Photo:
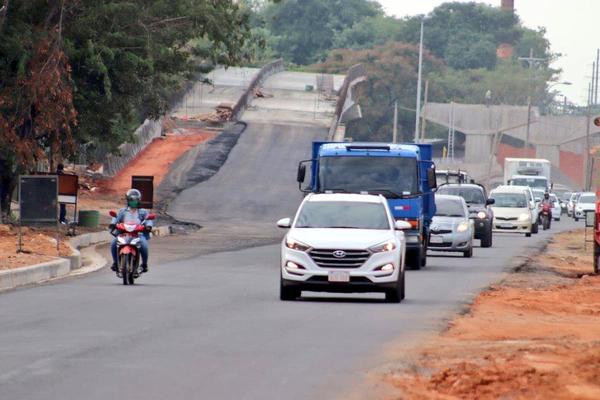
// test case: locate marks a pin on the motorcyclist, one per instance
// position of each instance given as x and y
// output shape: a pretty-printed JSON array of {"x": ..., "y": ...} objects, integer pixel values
[
  {"x": 134, "y": 215},
  {"x": 547, "y": 201}
]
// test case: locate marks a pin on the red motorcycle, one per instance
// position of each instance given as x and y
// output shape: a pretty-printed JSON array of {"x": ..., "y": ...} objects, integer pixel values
[
  {"x": 546, "y": 216},
  {"x": 129, "y": 248}
]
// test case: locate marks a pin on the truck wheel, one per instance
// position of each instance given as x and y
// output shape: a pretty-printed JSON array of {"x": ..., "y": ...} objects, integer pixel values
[
  {"x": 288, "y": 293},
  {"x": 486, "y": 239},
  {"x": 396, "y": 295},
  {"x": 414, "y": 260}
]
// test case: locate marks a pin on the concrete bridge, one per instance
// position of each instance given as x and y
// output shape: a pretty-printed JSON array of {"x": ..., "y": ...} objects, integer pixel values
[{"x": 550, "y": 136}]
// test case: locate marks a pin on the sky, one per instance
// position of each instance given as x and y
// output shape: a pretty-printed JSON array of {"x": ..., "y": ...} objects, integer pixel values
[{"x": 570, "y": 25}]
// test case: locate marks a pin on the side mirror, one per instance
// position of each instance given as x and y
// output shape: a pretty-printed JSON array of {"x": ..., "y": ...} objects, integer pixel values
[
  {"x": 402, "y": 226},
  {"x": 431, "y": 178},
  {"x": 490, "y": 202},
  {"x": 151, "y": 217},
  {"x": 301, "y": 173},
  {"x": 112, "y": 214},
  {"x": 284, "y": 223}
]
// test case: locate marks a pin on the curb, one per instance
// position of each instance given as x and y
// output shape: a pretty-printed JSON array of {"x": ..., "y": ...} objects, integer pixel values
[{"x": 63, "y": 267}]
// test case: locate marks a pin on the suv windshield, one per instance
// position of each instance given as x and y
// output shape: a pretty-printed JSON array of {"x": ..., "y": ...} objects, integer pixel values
[
  {"x": 384, "y": 175},
  {"x": 449, "y": 208},
  {"x": 342, "y": 214},
  {"x": 587, "y": 199},
  {"x": 531, "y": 182},
  {"x": 472, "y": 195},
  {"x": 509, "y": 200}
]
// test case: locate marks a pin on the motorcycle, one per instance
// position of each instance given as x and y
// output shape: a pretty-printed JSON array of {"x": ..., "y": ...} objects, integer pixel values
[
  {"x": 545, "y": 216},
  {"x": 128, "y": 249}
]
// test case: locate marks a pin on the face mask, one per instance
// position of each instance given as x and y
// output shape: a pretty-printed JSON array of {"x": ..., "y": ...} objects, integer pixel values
[{"x": 133, "y": 203}]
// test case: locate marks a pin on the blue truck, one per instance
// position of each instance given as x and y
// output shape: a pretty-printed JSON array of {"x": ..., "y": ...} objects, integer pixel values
[{"x": 403, "y": 173}]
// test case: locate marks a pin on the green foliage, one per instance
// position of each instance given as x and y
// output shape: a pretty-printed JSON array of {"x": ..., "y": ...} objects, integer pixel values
[
  {"x": 304, "y": 30},
  {"x": 367, "y": 33},
  {"x": 392, "y": 70}
]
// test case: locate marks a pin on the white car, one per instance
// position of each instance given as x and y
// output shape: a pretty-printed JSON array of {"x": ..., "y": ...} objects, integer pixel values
[
  {"x": 345, "y": 243},
  {"x": 556, "y": 210},
  {"x": 451, "y": 228},
  {"x": 513, "y": 211},
  {"x": 585, "y": 203},
  {"x": 571, "y": 204}
]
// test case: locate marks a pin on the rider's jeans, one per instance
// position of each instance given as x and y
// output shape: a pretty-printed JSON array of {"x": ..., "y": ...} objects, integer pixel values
[{"x": 143, "y": 249}]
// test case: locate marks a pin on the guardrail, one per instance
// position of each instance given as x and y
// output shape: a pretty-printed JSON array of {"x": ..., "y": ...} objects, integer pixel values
[
  {"x": 246, "y": 98},
  {"x": 355, "y": 72},
  {"x": 152, "y": 129}
]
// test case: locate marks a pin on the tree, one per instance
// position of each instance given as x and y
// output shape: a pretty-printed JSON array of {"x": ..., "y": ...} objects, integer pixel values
[
  {"x": 88, "y": 71},
  {"x": 303, "y": 30},
  {"x": 392, "y": 75},
  {"x": 36, "y": 93}
]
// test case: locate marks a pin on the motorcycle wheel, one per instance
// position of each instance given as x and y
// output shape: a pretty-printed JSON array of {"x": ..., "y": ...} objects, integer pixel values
[
  {"x": 131, "y": 269},
  {"x": 123, "y": 269}
]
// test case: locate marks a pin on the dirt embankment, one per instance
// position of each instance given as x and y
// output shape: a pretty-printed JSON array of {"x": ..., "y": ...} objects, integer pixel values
[
  {"x": 38, "y": 246},
  {"x": 536, "y": 335}
]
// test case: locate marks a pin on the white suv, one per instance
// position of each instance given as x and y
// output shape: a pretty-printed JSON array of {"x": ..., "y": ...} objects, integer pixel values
[{"x": 343, "y": 243}]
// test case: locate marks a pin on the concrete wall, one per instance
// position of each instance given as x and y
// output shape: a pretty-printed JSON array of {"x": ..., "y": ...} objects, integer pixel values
[
  {"x": 549, "y": 152},
  {"x": 478, "y": 148}
]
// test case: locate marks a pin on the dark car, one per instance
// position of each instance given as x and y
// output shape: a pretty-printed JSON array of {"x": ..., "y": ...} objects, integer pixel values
[{"x": 479, "y": 211}]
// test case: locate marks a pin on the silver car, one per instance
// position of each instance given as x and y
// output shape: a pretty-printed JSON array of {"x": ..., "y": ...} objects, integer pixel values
[{"x": 451, "y": 228}]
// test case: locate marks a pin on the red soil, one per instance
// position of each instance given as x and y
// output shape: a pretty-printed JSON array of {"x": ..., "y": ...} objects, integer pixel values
[{"x": 155, "y": 160}]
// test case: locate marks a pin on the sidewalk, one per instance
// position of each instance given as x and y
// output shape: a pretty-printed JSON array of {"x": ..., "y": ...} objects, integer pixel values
[{"x": 34, "y": 268}]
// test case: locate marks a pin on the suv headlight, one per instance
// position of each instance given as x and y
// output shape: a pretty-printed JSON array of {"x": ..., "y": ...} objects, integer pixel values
[
  {"x": 295, "y": 245},
  {"x": 524, "y": 217},
  {"x": 462, "y": 227},
  {"x": 482, "y": 215},
  {"x": 383, "y": 247}
]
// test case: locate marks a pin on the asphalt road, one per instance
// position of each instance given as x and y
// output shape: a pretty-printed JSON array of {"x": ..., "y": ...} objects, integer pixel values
[{"x": 212, "y": 327}]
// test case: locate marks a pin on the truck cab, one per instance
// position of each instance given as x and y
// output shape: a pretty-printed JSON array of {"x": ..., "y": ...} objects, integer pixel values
[{"x": 403, "y": 174}]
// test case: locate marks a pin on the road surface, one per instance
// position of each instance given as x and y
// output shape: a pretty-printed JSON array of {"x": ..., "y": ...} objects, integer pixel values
[{"x": 212, "y": 327}]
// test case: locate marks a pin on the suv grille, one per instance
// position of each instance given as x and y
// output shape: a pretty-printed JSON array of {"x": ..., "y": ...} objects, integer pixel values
[{"x": 324, "y": 258}]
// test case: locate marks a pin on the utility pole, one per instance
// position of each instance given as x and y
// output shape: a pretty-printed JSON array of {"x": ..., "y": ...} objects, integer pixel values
[
  {"x": 587, "y": 138},
  {"x": 597, "y": 75},
  {"x": 418, "y": 117},
  {"x": 395, "y": 132},
  {"x": 532, "y": 61},
  {"x": 423, "y": 120}
]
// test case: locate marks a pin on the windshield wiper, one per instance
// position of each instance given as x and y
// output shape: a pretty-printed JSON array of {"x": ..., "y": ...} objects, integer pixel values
[
  {"x": 456, "y": 215},
  {"x": 390, "y": 193}
]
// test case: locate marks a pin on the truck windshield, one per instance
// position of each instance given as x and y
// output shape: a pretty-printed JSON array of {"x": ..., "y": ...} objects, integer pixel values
[
  {"x": 531, "y": 182},
  {"x": 384, "y": 175},
  {"x": 342, "y": 215}
]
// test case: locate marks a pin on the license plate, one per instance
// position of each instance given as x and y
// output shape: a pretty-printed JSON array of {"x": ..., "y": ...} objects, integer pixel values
[
  {"x": 436, "y": 239},
  {"x": 339, "y": 276},
  {"x": 506, "y": 226}
]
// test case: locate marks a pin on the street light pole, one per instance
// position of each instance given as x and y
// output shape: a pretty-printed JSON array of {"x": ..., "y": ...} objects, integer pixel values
[
  {"x": 418, "y": 117},
  {"x": 395, "y": 131}
]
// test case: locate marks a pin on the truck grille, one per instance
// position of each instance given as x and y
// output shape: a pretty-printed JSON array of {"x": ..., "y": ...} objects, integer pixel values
[{"x": 325, "y": 258}]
